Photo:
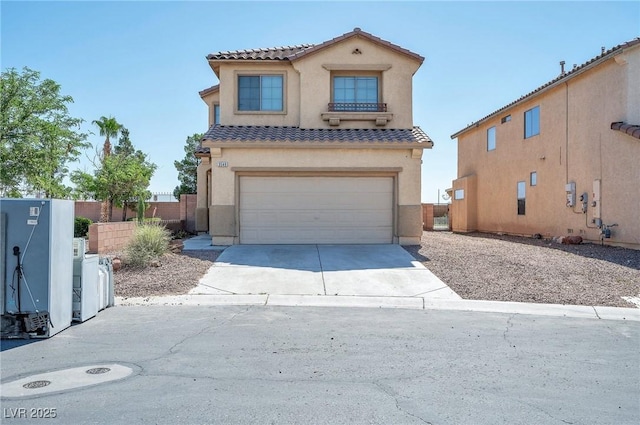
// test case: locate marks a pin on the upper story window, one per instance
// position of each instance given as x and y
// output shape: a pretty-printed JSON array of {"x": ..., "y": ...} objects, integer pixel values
[
  {"x": 491, "y": 138},
  {"x": 216, "y": 113},
  {"x": 505, "y": 119},
  {"x": 356, "y": 93},
  {"x": 532, "y": 122},
  {"x": 260, "y": 93}
]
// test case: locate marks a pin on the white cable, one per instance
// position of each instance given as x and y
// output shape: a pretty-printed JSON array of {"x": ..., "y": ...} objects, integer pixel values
[
  {"x": 30, "y": 294},
  {"x": 24, "y": 252},
  {"x": 33, "y": 229}
]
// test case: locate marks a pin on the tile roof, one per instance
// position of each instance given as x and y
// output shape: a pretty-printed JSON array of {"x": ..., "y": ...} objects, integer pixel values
[
  {"x": 605, "y": 55},
  {"x": 271, "y": 53},
  {"x": 357, "y": 32},
  {"x": 252, "y": 135},
  {"x": 298, "y": 51},
  {"x": 209, "y": 90},
  {"x": 631, "y": 130}
]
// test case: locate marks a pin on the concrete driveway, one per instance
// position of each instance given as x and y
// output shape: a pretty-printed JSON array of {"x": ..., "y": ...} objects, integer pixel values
[{"x": 342, "y": 270}]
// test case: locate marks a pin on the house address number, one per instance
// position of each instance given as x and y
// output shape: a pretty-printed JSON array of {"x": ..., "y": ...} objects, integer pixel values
[{"x": 223, "y": 164}]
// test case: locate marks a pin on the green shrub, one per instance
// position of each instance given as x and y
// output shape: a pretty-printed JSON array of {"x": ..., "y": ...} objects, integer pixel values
[
  {"x": 81, "y": 227},
  {"x": 148, "y": 243},
  {"x": 141, "y": 208}
]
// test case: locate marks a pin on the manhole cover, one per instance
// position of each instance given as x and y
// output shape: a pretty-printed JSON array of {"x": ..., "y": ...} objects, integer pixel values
[
  {"x": 98, "y": 370},
  {"x": 36, "y": 384}
]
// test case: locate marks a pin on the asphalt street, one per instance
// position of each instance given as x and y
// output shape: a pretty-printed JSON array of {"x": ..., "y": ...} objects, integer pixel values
[{"x": 291, "y": 365}]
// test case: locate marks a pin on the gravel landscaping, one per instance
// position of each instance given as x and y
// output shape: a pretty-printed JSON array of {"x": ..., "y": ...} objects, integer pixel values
[
  {"x": 176, "y": 274},
  {"x": 476, "y": 266},
  {"x": 508, "y": 268}
]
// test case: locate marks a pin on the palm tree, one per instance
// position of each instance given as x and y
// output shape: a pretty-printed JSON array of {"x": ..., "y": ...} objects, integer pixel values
[{"x": 109, "y": 127}]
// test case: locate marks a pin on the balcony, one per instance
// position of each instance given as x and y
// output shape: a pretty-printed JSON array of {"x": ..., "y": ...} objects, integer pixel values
[
  {"x": 357, "y": 107},
  {"x": 357, "y": 111}
]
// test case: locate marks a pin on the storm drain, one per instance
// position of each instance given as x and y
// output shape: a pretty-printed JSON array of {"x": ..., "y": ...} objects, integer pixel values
[
  {"x": 36, "y": 384},
  {"x": 65, "y": 380},
  {"x": 98, "y": 370}
]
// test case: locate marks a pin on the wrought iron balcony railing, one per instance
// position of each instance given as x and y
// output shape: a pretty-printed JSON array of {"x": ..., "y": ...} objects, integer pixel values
[{"x": 357, "y": 107}]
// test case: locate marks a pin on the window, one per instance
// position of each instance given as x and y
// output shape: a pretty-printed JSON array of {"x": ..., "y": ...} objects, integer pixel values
[
  {"x": 458, "y": 194},
  {"x": 532, "y": 122},
  {"x": 260, "y": 93},
  {"x": 521, "y": 197},
  {"x": 355, "y": 94},
  {"x": 506, "y": 119},
  {"x": 216, "y": 113},
  {"x": 533, "y": 178},
  {"x": 491, "y": 138}
]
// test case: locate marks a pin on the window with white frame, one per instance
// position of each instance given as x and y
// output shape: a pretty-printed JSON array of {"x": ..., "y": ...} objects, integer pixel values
[
  {"x": 458, "y": 194},
  {"x": 356, "y": 93},
  {"x": 216, "y": 113},
  {"x": 491, "y": 138},
  {"x": 532, "y": 122},
  {"x": 260, "y": 93}
]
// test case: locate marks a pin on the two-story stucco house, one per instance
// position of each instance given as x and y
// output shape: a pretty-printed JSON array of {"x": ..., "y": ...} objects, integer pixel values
[
  {"x": 312, "y": 144},
  {"x": 561, "y": 160}
]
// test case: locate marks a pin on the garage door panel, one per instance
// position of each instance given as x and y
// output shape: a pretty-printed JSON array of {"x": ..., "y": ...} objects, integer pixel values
[{"x": 292, "y": 210}]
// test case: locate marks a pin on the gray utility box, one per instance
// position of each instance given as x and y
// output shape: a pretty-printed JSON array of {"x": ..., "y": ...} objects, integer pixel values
[
  {"x": 36, "y": 280},
  {"x": 106, "y": 283},
  {"x": 86, "y": 291}
]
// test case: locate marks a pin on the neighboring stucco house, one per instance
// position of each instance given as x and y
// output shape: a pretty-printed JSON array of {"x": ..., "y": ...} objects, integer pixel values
[
  {"x": 561, "y": 160},
  {"x": 312, "y": 144}
]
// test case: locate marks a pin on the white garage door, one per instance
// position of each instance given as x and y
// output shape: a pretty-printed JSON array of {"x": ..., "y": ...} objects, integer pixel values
[{"x": 309, "y": 210}]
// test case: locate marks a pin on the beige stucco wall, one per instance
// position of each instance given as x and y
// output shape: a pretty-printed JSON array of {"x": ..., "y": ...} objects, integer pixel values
[
  {"x": 211, "y": 99},
  {"x": 464, "y": 211},
  {"x": 575, "y": 144},
  {"x": 348, "y": 162},
  {"x": 632, "y": 61},
  {"x": 309, "y": 78},
  {"x": 203, "y": 199},
  {"x": 395, "y": 82},
  {"x": 229, "y": 95}
]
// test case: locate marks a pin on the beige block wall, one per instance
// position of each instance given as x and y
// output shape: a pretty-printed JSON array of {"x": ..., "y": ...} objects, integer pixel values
[
  {"x": 110, "y": 237},
  {"x": 225, "y": 190},
  {"x": 163, "y": 210},
  {"x": 427, "y": 216},
  {"x": 575, "y": 144},
  {"x": 464, "y": 215}
]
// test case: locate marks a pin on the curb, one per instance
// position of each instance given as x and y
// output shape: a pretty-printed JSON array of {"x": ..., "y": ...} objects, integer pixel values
[{"x": 414, "y": 303}]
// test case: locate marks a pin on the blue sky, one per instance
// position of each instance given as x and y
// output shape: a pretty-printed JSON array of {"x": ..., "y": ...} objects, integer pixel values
[{"x": 144, "y": 62}]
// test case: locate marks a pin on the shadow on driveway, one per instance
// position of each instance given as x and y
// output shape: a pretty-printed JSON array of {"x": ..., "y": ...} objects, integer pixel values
[{"x": 316, "y": 258}]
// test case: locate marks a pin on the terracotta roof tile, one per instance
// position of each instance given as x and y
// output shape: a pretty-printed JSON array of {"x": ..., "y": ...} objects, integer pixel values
[
  {"x": 284, "y": 135},
  {"x": 631, "y": 130},
  {"x": 558, "y": 80},
  {"x": 271, "y": 53},
  {"x": 357, "y": 32},
  {"x": 209, "y": 90},
  {"x": 298, "y": 51}
]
